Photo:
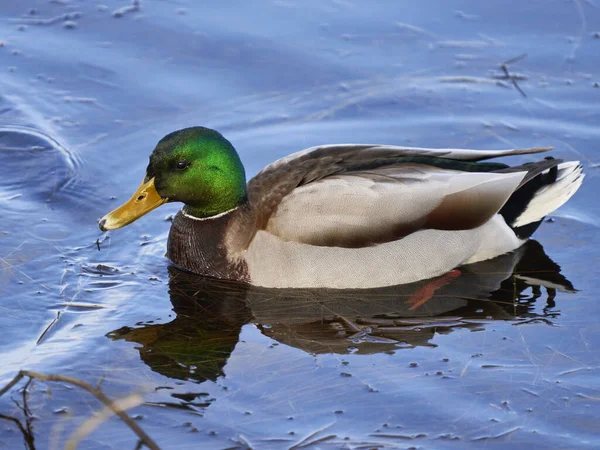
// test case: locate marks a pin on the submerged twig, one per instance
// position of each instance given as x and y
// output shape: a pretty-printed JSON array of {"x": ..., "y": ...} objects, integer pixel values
[
  {"x": 25, "y": 429},
  {"x": 48, "y": 328},
  {"x": 115, "y": 407},
  {"x": 307, "y": 440},
  {"x": 27, "y": 435},
  {"x": 513, "y": 78},
  {"x": 515, "y": 59}
]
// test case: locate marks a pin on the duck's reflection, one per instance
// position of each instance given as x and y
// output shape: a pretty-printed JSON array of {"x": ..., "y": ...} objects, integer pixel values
[{"x": 210, "y": 313}]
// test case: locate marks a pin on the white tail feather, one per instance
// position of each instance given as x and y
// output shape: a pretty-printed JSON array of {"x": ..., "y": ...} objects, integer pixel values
[{"x": 553, "y": 196}]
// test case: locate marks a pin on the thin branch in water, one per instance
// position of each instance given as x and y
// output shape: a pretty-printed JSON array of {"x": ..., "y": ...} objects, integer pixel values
[
  {"x": 98, "y": 419},
  {"x": 39, "y": 341},
  {"x": 10, "y": 266},
  {"x": 515, "y": 59},
  {"x": 513, "y": 78},
  {"x": 26, "y": 409},
  {"x": 114, "y": 407},
  {"x": 25, "y": 430},
  {"x": 307, "y": 440},
  {"x": 27, "y": 435},
  {"x": 14, "y": 381}
]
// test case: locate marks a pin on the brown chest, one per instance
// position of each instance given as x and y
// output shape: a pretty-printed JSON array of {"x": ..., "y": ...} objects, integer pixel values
[{"x": 199, "y": 245}]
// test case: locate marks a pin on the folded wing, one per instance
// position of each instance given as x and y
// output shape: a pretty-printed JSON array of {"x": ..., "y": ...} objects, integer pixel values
[
  {"x": 363, "y": 195},
  {"x": 363, "y": 209}
]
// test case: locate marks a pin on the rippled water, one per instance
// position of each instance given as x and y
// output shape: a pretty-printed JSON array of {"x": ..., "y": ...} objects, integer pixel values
[{"x": 507, "y": 353}]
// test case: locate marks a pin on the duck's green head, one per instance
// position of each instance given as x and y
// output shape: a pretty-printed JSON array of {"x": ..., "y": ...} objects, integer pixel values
[{"x": 196, "y": 166}]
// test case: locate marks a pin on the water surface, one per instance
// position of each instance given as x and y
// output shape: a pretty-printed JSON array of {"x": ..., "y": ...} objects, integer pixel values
[{"x": 507, "y": 353}]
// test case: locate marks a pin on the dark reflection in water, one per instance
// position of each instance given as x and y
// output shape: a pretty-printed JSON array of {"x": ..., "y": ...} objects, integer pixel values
[{"x": 211, "y": 313}]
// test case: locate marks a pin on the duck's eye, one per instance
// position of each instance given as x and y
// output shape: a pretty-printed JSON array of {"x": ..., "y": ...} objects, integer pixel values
[{"x": 182, "y": 165}]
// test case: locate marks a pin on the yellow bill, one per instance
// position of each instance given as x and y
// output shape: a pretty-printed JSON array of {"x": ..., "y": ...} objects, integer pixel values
[{"x": 144, "y": 200}]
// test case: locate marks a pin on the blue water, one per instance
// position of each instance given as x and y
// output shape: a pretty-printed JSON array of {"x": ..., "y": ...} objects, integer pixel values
[{"x": 86, "y": 91}]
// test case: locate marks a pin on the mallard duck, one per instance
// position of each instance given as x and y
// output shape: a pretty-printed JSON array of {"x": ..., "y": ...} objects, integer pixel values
[{"x": 346, "y": 215}]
